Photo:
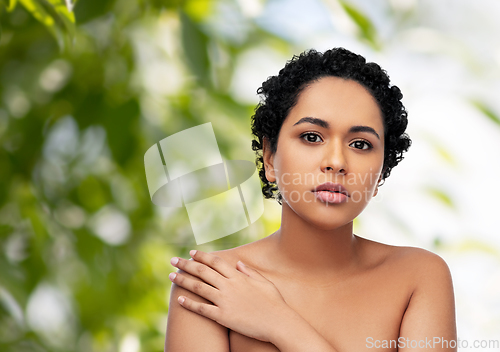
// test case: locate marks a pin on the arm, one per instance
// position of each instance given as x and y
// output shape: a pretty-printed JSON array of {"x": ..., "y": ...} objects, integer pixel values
[
  {"x": 188, "y": 331},
  {"x": 297, "y": 335},
  {"x": 430, "y": 315},
  {"x": 246, "y": 302}
]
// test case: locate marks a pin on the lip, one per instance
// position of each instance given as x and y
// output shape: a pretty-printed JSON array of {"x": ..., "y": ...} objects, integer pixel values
[
  {"x": 330, "y": 197},
  {"x": 332, "y": 187}
]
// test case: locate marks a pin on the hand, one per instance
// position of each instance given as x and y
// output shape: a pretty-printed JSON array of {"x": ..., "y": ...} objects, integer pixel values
[{"x": 243, "y": 300}]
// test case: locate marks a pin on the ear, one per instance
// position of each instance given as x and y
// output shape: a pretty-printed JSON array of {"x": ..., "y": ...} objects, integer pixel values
[
  {"x": 376, "y": 187},
  {"x": 268, "y": 160}
]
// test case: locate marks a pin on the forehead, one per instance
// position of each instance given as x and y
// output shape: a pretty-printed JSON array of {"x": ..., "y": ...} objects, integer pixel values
[{"x": 341, "y": 102}]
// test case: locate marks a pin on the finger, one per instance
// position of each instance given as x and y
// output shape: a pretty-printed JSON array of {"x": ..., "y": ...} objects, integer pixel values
[
  {"x": 199, "y": 270},
  {"x": 254, "y": 274},
  {"x": 213, "y": 261},
  {"x": 197, "y": 287},
  {"x": 207, "y": 310}
]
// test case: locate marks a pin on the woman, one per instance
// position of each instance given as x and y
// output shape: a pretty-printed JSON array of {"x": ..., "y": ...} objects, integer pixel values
[{"x": 330, "y": 129}]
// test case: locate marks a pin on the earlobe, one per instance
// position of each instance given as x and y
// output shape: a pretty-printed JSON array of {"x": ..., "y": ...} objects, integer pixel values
[{"x": 268, "y": 161}]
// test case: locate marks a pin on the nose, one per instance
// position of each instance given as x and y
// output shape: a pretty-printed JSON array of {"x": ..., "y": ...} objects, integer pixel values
[{"x": 334, "y": 159}]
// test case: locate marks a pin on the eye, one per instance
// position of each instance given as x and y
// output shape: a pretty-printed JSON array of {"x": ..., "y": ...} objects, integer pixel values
[
  {"x": 364, "y": 145},
  {"x": 311, "y": 137}
]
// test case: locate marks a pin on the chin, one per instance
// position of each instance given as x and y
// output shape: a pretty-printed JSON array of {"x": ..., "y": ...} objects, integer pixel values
[
  {"x": 330, "y": 224},
  {"x": 327, "y": 220}
]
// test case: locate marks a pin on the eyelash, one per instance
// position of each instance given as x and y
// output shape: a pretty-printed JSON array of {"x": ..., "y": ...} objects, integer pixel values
[{"x": 317, "y": 135}]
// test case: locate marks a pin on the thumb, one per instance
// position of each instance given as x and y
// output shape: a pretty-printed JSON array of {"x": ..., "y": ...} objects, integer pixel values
[{"x": 254, "y": 274}]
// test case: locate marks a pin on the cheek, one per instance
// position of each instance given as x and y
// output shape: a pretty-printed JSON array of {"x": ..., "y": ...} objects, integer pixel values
[
  {"x": 367, "y": 173},
  {"x": 285, "y": 172},
  {"x": 296, "y": 170},
  {"x": 285, "y": 178}
]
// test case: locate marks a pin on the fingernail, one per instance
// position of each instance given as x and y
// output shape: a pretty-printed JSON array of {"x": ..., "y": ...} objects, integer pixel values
[
  {"x": 181, "y": 299},
  {"x": 192, "y": 253},
  {"x": 174, "y": 260},
  {"x": 239, "y": 261},
  {"x": 172, "y": 276}
]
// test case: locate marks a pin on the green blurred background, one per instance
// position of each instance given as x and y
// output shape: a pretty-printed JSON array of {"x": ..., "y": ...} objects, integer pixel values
[{"x": 88, "y": 86}]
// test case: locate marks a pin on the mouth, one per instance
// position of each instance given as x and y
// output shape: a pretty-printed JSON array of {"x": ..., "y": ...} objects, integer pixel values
[{"x": 330, "y": 187}]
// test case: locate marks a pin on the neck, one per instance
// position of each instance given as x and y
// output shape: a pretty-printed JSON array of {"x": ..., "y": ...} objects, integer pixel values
[{"x": 313, "y": 252}]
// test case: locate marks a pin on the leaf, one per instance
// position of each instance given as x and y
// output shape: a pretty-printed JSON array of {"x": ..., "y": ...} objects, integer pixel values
[
  {"x": 438, "y": 242},
  {"x": 61, "y": 11},
  {"x": 445, "y": 154},
  {"x": 486, "y": 110},
  {"x": 442, "y": 196},
  {"x": 195, "y": 43},
  {"x": 38, "y": 12},
  {"x": 367, "y": 29},
  {"x": 441, "y": 150},
  {"x": 198, "y": 9},
  {"x": 473, "y": 244},
  {"x": 10, "y": 5},
  {"x": 64, "y": 13},
  {"x": 55, "y": 16}
]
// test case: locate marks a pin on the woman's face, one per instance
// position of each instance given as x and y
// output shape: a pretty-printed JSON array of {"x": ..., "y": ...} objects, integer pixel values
[{"x": 335, "y": 134}]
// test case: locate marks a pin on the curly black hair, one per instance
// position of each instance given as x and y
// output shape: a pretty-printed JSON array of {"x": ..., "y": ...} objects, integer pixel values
[{"x": 280, "y": 93}]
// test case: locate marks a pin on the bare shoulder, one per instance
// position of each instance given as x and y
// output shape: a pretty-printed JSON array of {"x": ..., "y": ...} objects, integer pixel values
[
  {"x": 431, "y": 308},
  {"x": 252, "y": 254},
  {"x": 426, "y": 278},
  {"x": 229, "y": 255},
  {"x": 419, "y": 262},
  {"x": 418, "y": 265},
  {"x": 189, "y": 331}
]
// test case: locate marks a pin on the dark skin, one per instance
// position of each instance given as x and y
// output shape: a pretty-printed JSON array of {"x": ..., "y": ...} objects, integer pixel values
[{"x": 314, "y": 284}]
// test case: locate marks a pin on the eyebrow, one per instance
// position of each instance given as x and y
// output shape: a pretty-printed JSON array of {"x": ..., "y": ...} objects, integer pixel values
[{"x": 325, "y": 124}]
